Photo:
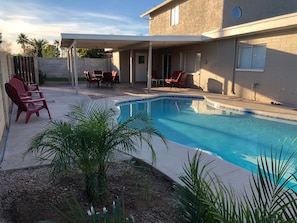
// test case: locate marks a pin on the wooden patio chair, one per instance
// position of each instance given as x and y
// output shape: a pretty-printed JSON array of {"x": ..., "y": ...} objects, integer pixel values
[
  {"x": 23, "y": 92},
  {"x": 28, "y": 86},
  {"x": 91, "y": 79},
  {"x": 28, "y": 105},
  {"x": 115, "y": 76},
  {"x": 107, "y": 78}
]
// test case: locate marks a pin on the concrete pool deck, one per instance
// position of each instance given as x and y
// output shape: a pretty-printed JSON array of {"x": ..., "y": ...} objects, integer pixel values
[{"x": 169, "y": 161}]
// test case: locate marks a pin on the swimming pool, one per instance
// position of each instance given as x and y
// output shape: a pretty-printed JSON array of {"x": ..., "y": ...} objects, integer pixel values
[{"x": 232, "y": 135}]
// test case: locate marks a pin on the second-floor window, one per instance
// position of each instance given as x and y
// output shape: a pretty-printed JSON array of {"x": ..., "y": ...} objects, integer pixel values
[
  {"x": 174, "y": 16},
  {"x": 251, "y": 57}
]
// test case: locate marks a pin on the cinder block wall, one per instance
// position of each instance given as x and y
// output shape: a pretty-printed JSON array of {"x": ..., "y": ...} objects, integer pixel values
[{"x": 58, "y": 67}]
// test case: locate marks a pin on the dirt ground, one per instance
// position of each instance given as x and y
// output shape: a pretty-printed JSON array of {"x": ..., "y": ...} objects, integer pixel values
[{"x": 28, "y": 195}]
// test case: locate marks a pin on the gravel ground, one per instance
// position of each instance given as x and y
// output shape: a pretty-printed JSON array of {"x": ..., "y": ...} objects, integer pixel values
[{"x": 27, "y": 195}]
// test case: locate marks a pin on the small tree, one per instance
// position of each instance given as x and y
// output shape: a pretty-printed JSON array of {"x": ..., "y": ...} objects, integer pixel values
[
  {"x": 91, "y": 53},
  {"x": 89, "y": 139},
  {"x": 49, "y": 51}
]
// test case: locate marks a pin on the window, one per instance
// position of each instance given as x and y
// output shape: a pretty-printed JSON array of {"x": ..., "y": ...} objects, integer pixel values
[
  {"x": 251, "y": 57},
  {"x": 192, "y": 62},
  {"x": 174, "y": 15},
  {"x": 140, "y": 59}
]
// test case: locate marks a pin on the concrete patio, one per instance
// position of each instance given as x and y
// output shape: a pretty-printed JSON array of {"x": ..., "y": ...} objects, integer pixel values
[{"x": 170, "y": 162}]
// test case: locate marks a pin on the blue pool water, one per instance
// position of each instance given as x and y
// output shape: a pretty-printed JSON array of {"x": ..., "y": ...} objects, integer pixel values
[{"x": 234, "y": 136}]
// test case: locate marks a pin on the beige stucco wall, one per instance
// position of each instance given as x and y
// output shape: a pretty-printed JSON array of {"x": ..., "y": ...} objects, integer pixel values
[
  {"x": 124, "y": 66},
  {"x": 198, "y": 16},
  {"x": 278, "y": 82},
  {"x": 253, "y": 10},
  {"x": 217, "y": 66},
  {"x": 5, "y": 72},
  {"x": 195, "y": 17}
]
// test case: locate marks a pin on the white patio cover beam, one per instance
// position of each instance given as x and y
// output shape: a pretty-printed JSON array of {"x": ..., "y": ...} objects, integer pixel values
[{"x": 149, "y": 66}]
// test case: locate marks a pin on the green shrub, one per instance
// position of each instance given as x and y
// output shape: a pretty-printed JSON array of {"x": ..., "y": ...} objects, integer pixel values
[
  {"x": 204, "y": 198},
  {"x": 42, "y": 77}
]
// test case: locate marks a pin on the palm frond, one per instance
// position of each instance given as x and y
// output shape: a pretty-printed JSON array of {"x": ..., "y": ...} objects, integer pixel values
[{"x": 274, "y": 197}]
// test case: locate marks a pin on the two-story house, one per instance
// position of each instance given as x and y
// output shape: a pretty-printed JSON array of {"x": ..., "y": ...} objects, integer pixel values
[
  {"x": 247, "y": 48},
  {"x": 233, "y": 47}
]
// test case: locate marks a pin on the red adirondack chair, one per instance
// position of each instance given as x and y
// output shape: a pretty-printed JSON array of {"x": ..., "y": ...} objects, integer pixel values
[
  {"x": 28, "y": 86},
  {"x": 27, "y": 105},
  {"x": 21, "y": 89}
]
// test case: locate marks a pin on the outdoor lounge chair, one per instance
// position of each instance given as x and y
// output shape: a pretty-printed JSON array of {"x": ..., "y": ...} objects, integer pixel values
[
  {"x": 181, "y": 82},
  {"x": 178, "y": 79},
  {"x": 29, "y": 106}
]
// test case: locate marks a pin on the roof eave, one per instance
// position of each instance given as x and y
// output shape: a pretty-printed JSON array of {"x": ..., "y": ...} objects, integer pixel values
[
  {"x": 155, "y": 8},
  {"x": 265, "y": 25}
]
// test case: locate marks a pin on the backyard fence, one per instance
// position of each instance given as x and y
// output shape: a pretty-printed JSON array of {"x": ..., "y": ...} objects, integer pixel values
[{"x": 24, "y": 67}]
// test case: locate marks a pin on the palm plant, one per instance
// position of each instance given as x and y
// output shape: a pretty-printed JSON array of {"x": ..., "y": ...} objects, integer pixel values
[
  {"x": 37, "y": 45},
  {"x": 204, "y": 198},
  {"x": 23, "y": 40},
  {"x": 87, "y": 141}
]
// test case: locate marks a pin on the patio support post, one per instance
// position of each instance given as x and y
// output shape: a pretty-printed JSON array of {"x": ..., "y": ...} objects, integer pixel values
[
  {"x": 149, "y": 70},
  {"x": 70, "y": 66},
  {"x": 74, "y": 66},
  {"x": 131, "y": 68}
]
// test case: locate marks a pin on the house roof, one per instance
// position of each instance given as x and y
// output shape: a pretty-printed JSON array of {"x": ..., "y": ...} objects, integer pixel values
[
  {"x": 123, "y": 42},
  {"x": 156, "y": 8}
]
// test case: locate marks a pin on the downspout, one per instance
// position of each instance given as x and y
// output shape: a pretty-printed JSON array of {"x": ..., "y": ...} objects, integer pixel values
[
  {"x": 234, "y": 66},
  {"x": 149, "y": 70}
]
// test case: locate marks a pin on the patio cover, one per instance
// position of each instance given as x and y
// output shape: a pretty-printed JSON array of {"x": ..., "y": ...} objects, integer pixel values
[{"x": 120, "y": 43}]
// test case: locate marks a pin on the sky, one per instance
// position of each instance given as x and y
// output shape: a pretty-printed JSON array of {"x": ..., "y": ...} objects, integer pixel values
[{"x": 47, "y": 19}]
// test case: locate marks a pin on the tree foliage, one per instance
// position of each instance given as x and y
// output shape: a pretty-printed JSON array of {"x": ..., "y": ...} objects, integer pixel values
[
  {"x": 90, "y": 53},
  {"x": 23, "y": 40},
  {"x": 38, "y": 47}
]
